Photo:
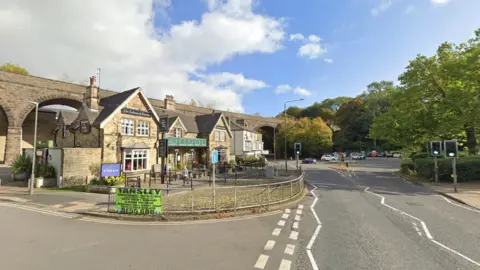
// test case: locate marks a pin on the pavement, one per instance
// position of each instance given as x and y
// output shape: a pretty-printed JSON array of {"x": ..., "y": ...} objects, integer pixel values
[{"x": 364, "y": 218}]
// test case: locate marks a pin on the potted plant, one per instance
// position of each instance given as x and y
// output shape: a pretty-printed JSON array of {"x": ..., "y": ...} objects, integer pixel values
[
  {"x": 47, "y": 176},
  {"x": 21, "y": 167}
]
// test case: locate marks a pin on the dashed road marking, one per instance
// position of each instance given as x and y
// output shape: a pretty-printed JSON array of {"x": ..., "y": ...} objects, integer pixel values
[
  {"x": 293, "y": 235},
  {"x": 269, "y": 245},
  {"x": 299, "y": 211},
  {"x": 287, "y": 211},
  {"x": 276, "y": 232},
  {"x": 300, "y": 206},
  {"x": 289, "y": 249},
  {"x": 295, "y": 225},
  {"x": 281, "y": 223},
  {"x": 285, "y": 216},
  {"x": 285, "y": 265},
  {"x": 317, "y": 230},
  {"x": 297, "y": 218},
  {"x": 261, "y": 262}
]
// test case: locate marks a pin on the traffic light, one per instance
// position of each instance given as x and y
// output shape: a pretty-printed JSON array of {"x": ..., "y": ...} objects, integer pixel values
[
  {"x": 298, "y": 148},
  {"x": 436, "y": 148},
  {"x": 451, "y": 148}
]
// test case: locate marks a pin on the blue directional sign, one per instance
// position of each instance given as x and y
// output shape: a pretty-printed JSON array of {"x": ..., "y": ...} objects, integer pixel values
[
  {"x": 214, "y": 156},
  {"x": 110, "y": 169}
]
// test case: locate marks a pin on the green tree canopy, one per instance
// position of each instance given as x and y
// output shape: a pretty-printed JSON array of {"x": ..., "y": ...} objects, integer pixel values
[{"x": 9, "y": 67}]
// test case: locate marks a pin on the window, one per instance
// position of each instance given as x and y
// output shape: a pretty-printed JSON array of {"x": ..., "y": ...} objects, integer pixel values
[
  {"x": 178, "y": 132},
  {"x": 127, "y": 127},
  {"x": 135, "y": 160},
  {"x": 217, "y": 135},
  {"x": 84, "y": 126},
  {"x": 143, "y": 128},
  {"x": 222, "y": 136}
]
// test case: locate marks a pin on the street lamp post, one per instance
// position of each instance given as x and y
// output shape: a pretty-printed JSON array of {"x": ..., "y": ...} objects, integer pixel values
[
  {"x": 285, "y": 117},
  {"x": 34, "y": 159}
]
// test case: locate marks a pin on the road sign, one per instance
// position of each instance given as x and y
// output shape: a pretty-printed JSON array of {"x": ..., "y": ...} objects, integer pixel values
[
  {"x": 164, "y": 124},
  {"x": 162, "y": 148},
  {"x": 214, "y": 156}
]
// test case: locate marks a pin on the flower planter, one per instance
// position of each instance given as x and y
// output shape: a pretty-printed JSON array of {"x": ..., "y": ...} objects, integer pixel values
[
  {"x": 45, "y": 182},
  {"x": 101, "y": 189},
  {"x": 22, "y": 176}
]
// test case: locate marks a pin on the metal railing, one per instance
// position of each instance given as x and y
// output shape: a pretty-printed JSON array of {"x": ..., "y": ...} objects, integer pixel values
[{"x": 234, "y": 197}]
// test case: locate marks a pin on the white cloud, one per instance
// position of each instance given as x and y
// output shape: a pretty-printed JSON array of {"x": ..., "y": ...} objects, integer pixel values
[
  {"x": 439, "y": 2},
  {"x": 314, "y": 38},
  {"x": 52, "y": 38},
  {"x": 297, "y": 37},
  {"x": 383, "y": 6},
  {"x": 311, "y": 50},
  {"x": 284, "y": 88},
  {"x": 328, "y": 60}
]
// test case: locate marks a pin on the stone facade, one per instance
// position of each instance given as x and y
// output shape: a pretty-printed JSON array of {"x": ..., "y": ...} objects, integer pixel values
[
  {"x": 216, "y": 140},
  {"x": 17, "y": 90},
  {"x": 76, "y": 163}
]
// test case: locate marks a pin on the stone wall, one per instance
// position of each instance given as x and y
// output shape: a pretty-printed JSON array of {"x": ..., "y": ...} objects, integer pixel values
[
  {"x": 76, "y": 162},
  {"x": 3, "y": 134}
]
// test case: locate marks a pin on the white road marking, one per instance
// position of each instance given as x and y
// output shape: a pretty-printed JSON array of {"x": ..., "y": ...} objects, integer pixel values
[
  {"x": 38, "y": 210},
  {"x": 281, "y": 223},
  {"x": 317, "y": 230},
  {"x": 299, "y": 211},
  {"x": 289, "y": 249},
  {"x": 416, "y": 228},
  {"x": 287, "y": 211},
  {"x": 285, "y": 216},
  {"x": 293, "y": 235},
  {"x": 261, "y": 262},
  {"x": 300, "y": 206},
  {"x": 276, "y": 232},
  {"x": 269, "y": 245},
  {"x": 297, "y": 218},
  {"x": 424, "y": 226},
  {"x": 459, "y": 205},
  {"x": 285, "y": 265},
  {"x": 295, "y": 225}
]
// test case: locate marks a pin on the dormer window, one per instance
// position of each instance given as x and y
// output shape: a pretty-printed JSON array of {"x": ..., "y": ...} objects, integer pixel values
[{"x": 178, "y": 132}]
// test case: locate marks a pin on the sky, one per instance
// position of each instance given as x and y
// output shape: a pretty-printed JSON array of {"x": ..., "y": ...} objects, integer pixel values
[{"x": 247, "y": 56}]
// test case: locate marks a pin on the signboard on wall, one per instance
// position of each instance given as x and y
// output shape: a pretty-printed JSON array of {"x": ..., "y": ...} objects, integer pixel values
[
  {"x": 109, "y": 169},
  {"x": 136, "y": 112},
  {"x": 162, "y": 148},
  {"x": 187, "y": 142},
  {"x": 164, "y": 124},
  {"x": 84, "y": 126},
  {"x": 137, "y": 201}
]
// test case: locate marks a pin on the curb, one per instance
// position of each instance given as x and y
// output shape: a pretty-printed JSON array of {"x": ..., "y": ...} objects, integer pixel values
[
  {"x": 438, "y": 192},
  {"x": 188, "y": 219}
]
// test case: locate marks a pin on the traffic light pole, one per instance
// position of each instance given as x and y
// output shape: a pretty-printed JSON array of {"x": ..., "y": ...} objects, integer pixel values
[
  {"x": 454, "y": 169},
  {"x": 296, "y": 156},
  {"x": 435, "y": 170}
]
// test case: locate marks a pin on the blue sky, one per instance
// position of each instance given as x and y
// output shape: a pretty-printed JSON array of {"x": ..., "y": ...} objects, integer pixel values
[{"x": 364, "y": 47}]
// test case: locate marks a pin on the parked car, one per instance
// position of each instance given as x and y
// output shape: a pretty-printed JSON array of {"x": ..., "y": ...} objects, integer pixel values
[
  {"x": 358, "y": 156},
  {"x": 309, "y": 161},
  {"x": 328, "y": 157},
  {"x": 373, "y": 154},
  {"x": 397, "y": 155}
]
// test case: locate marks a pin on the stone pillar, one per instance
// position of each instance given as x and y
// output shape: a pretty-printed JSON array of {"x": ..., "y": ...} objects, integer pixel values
[{"x": 13, "y": 146}]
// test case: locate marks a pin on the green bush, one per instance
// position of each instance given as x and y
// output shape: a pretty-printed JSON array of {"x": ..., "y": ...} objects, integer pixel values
[
  {"x": 420, "y": 155},
  {"x": 47, "y": 171},
  {"x": 94, "y": 169},
  {"x": 468, "y": 168},
  {"x": 407, "y": 166},
  {"x": 179, "y": 166},
  {"x": 22, "y": 163},
  {"x": 113, "y": 180}
]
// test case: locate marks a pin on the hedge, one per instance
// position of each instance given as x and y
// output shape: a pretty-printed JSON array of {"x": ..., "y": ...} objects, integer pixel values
[{"x": 468, "y": 168}]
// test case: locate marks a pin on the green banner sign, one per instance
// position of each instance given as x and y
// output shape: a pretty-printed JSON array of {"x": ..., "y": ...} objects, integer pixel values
[
  {"x": 187, "y": 142},
  {"x": 137, "y": 201}
]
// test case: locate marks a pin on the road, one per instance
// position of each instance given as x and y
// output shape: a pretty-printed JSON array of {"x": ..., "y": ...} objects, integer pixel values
[{"x": 412, "y": 229}]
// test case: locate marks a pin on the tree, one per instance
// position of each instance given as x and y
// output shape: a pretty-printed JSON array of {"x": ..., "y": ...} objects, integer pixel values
[
  {"x": 9, "y": 67},
  {"x": 292, "y": 111},
  {"x": 257, "y": 114},
  {"x": 354, "y": 123}
]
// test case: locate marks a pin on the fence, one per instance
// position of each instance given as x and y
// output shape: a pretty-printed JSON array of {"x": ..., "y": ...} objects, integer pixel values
[{"x": 185, "y": 200}]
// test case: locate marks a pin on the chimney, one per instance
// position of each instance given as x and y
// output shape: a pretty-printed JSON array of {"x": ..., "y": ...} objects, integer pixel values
[
  {"x": 91, "y": 95},
  {"x": 169, "y": 103}
]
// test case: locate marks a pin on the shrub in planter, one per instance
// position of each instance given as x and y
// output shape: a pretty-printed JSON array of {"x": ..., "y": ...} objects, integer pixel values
[
  {"x": 22, "y": 167},
  {"x": 46, "y": 171}
]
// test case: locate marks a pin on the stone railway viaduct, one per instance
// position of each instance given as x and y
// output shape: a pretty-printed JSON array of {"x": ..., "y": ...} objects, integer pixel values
[{"x": 17, "y": 90}]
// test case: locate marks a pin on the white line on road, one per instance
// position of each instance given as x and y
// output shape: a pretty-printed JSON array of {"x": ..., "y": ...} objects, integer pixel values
[
  {"x": 285, "y": 265},
  {"x": 424, "y": 226},
  {"x": 276, "y": 232},
  {"x": 297, "y": 218},
  {"x": 416, "y": 228},
  {"x": 299, "y": 211},
  {"x": 38, "y": 210},
  {"x": 295, "y": 225},
  {"x": 281, "y": 223},
  {"x": 317, "y": 230},
  {"x": 459, "y": 205},
  {"x": 285, "y": 216},
  {"x": 261, "y": 262},
  {"x": 287, "y": 211},
  {"x": 293, "y": 235},
  {"x": 300, "y": 206},
  {"x": 269, "y": 245},
  {"x": 289, "y": 249}
]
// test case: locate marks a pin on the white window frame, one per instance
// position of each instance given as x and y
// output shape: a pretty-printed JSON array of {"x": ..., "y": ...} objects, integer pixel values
[
  {"x": 128, "y": 126},
  {"x": 143, "y": 128},
  {"x": 178, "y": 132},
  {"x": 144, "y": 158},
  {"x": 217, "y": 135},
  {"x": 222, "y": 136}
]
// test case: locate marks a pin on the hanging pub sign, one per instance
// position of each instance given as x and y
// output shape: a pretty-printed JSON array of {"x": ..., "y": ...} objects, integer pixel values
[
  {"x": 136, "y": 112},
  {"x": 164, "y": 124}
]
